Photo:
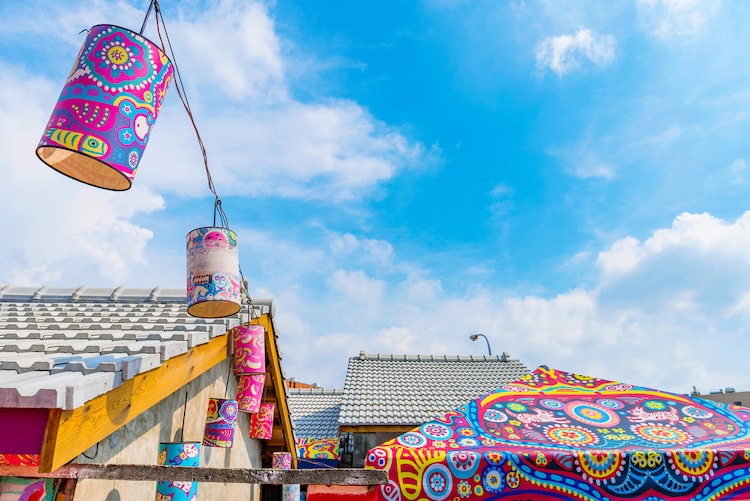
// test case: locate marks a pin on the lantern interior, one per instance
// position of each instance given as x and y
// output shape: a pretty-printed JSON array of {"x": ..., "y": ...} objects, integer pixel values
[
  {"x": 213, "y": 309},
  {"x": 83, "y": 168}
]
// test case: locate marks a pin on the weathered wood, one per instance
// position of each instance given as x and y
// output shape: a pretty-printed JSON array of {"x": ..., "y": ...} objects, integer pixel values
[
  {"x": 277, "y": 377},
  {"x": 135, "y": 472},
  {"x": 80, "y": 428}
]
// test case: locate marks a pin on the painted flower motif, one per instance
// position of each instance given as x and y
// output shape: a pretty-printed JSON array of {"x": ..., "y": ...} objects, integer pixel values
[
  {"x": 710, "y": 426},
  {"x": 478, "y": 491},
  {"x": 464, "y": 489},
  {"x": 618, "y": 430},
  {"x": 541, "y": 459},
  {"x": 488, "y": 442},
  {"x": 493, "y": 457},
  {"x": 516, "y": 407},
  {"x": 437, "y": 482},
  {"x": 512, "y": 479},
  {"x": 493, "y": 480},
  {"x": 655, "y": 405},
  {"x": 688, "y": 419},
  {"x": 467, "y": 432},
  {"x": 602, "y": 430},
  {"x": 515, "y": 422},
  {"x": 720, "y": 432},
  {"x": 439, "y": 444},
  {"x": 625, "y": 436}
]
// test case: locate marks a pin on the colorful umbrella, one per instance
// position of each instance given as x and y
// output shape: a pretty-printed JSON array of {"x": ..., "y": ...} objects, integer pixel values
[{"x": 558, "y": 435}]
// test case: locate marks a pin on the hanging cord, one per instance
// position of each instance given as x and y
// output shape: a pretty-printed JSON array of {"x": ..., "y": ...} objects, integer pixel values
[
  {"x": 180, "y": 86},
  {"x": 226, "y": 389},
  {"x": 148, "y": 14},
  {"x": 184, "y": 411}
]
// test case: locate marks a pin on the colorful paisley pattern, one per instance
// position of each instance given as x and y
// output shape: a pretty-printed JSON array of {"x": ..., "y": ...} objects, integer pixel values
[
  {"x": 558, "y": 435},
  {"x": 110, "y": 101}
]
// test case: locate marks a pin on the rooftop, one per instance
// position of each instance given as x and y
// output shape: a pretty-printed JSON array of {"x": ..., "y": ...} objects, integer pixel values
[
  {"x": 60, "y": 347},
  {"x": 315, "y": 411},
  {"x": 413, "y": 389}
]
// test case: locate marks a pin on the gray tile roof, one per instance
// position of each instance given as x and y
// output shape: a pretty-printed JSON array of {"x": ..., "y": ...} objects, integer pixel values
[
  {"x": 60, "y": 347},
  {"x": 315, "y": 411},
  {"x": 413, "y": 389}
]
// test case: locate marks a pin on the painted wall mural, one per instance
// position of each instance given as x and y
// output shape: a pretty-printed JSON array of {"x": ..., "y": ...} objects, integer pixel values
[{"x": 558, "y": 435}]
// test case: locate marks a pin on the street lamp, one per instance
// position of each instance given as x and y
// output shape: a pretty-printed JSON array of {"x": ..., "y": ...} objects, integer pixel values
[{"x": 474, "y": 337}]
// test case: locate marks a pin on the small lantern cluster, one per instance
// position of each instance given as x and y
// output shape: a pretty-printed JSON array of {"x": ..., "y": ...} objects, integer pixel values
[{"x": 249, "y": 362}]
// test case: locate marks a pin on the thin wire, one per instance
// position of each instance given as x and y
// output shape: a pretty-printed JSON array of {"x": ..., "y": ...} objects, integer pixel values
[
  {"x": 96, "y": 452},
  {"x": 226, "y": 390},
  {"x": 184, "y": 410},
  {"x": 148, "y": 13},
  {"x": 180, "y": 86}
]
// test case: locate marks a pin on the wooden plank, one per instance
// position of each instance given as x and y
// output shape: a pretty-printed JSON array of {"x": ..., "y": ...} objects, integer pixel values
[
  {"x": 80, "y": 428},
  {"x": 267, "y": 476},
  {"x": 277, "y": 378}
]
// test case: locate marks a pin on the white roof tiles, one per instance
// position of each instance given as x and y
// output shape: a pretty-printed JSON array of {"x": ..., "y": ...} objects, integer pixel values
[
  {"x": 60, "y": 347},
  {"x": 414, "y": 389},
  {"x": 315, "y": 411}
]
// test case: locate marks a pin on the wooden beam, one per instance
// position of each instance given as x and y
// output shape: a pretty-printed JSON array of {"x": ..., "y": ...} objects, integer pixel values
[
  {"x": 78, "y": 429},
  {"x": 143, "y": 473},
  {"x": 278, "y": 384},
  {"x": 384, "y": 428}
]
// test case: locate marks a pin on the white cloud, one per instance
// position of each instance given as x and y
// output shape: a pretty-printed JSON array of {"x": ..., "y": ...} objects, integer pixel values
[
  {"x": 60, "y": 229},
  {"x": 669, "y": 19},
  {"x": 565, "y": 53}
]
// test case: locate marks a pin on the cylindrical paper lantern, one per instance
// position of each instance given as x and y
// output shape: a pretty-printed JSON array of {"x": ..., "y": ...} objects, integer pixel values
[
  {"x": 290, "y": 492},
  {"x": 282, "y": 460},
  {"x": 261, "y": 423},
  {"x": 178, "y": 454},
  {"x": 249, "y": 349},
  {"x": 103, "y": 118},
  {"x": 249, "y": 392},
  {"x": 213, "y": 273},
  {"x": 220, "y": 419}
]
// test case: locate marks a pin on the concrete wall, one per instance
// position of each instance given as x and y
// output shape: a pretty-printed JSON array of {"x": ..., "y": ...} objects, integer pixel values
[{"x": 138, "y": 443}]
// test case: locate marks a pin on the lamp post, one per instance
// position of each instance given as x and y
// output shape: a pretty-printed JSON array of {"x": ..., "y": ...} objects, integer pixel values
[{"x": 474, "y": 337}]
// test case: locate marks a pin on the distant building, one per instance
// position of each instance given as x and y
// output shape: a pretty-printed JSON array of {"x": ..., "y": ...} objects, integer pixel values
[{"x": 387, "y": 395}]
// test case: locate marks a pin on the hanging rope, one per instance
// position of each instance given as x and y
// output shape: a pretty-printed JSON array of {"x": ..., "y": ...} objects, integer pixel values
[{"x": 180, "y": 86}]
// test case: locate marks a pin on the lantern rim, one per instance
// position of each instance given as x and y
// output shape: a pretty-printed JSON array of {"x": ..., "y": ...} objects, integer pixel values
[
  {"x": 119, "y": 181},
  {"x": 136, "y": 33}
]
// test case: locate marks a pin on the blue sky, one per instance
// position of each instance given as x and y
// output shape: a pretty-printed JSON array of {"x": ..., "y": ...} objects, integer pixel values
[{"x": 569, "y": 178}]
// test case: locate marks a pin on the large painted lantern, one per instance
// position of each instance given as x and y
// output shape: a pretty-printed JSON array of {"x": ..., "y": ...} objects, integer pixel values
[
  {"x": 185, "y": 454},
  {"x": 261, "y": 423},
  {"x": 213, "y": 273},
  {"x": 220, "y": 419},
  {"x": 249, "y": 349},
  {"x": 98, "y": 130},
  {"x": 250, "y": 392}
]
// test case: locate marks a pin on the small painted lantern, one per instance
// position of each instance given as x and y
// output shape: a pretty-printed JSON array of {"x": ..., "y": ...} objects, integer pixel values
[
  {"x": 99, "y": 128},
  {"x": 290, "y": 492},
  {"x": 178, "y": 454},
  {"x": 249, "y": 349},
  {"x": 250, "y": 392},
  {"x": 220, "y": 419},
  {"x": 261, "y": 423},
  {"x": 282, "y": 460},
  {"x": 213, "y": 273}
]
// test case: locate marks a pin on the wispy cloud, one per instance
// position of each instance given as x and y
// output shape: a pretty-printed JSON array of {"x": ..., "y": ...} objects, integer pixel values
[
  {"x": 565, "y": 53},
  {"x": 669, "y": 19}
]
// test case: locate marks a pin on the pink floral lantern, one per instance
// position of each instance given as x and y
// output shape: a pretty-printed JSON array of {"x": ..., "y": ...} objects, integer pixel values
[
  {"x": 249, "y": 349},
  {"x": 261, "y": 423},
  {"x": 250, "y": 392},
  {"x": 282, "y": 460},
  {"x": 213, "y": 273},
  {"x": 99, "y": 128},
  {"x": 220, "y": 419}
]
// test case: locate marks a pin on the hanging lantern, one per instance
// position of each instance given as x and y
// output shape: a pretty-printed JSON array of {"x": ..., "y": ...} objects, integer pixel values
[
  {"x": 103, "y": 118},
  {"x": 290, "y": 492},
  {"x": 249, "y": 349},
  {"x": 220, "y": 419},
  {"x": 261, "y": 423},
  {"x": 250, "y": 392},
  {"x": 178, "y": 454},
  {"x": 213, "y": 273},
  {"x": 282, "y": 460}
]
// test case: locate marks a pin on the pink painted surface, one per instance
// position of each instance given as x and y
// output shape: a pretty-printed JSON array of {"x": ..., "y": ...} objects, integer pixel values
[
  {"x": 249, "y": 349},
  {"x": 22, "y": 430},
  {"x": 340, "y": 493}
]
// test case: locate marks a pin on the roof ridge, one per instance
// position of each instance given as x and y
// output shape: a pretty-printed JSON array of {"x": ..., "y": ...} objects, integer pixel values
[
  {"x": 315, "y": 391},
  {"x": 380, "y": 357}
]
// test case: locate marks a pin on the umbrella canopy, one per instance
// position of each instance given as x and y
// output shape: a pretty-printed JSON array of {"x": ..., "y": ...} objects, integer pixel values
[{"x": 558, "y": 435}]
